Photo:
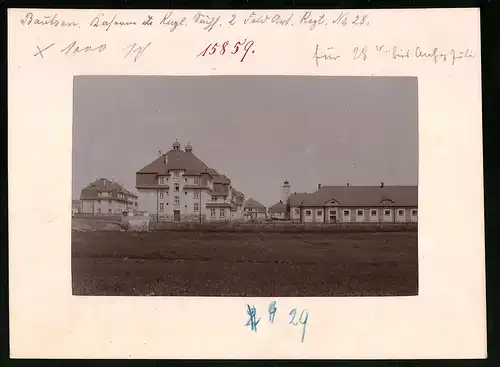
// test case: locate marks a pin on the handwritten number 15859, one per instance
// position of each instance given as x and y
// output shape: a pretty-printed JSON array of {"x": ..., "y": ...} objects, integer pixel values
[{"x": 215, "y": 48}]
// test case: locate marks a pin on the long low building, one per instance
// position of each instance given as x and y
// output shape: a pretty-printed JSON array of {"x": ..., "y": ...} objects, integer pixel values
[{"x": 361, "y": 204}]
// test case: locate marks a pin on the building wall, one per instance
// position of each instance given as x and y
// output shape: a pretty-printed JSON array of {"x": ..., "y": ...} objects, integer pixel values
[
  {"x": 353, "y": 215},
  {"x": 277, "y": 215},
  {"x": 103, "y": 206},
  {"x": 191, "y": 203}
]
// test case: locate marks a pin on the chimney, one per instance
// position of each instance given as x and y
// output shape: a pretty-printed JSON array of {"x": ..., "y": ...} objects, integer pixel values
[
  {"x": 160, "y": 153},
  {"x": 381, "y": 184},
  {"x": 319, "y": 186}
]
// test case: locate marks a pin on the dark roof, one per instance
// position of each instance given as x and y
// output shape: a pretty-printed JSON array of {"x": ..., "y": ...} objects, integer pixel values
[
  {"x": 220, "y": 189},
  {"x": 358, "y": 196},
  {"x": 277, "y": 208},
  {"x": 104, "y": 185},
  {"x": 253, "y": 204},
  {"x": 176, "y": 160}
]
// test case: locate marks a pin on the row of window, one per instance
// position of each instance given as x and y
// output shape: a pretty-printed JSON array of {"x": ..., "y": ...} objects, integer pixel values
[
  {"x": 196, "y": 194},
  {"x": 373, "y": 213},
  {"x": 222, "y": 212},
  {"x": 111, "y": 201},
  {"x": 163, "y": 180}
]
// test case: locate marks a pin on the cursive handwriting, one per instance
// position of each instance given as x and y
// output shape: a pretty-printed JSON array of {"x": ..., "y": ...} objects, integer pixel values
[
  {"x": 457, "y": 55},
  {"x": 98, "y": 21},
  {"x": 73, "y": 48},
  {"x": 47, "y": 20},
  {"x": 328, "y": 55},
  {"x": 135, "y": 50},
  {"x": 169, "y": 20},
  {"x": 206, "y": 20},
  {"x": 311, "y": 21}
]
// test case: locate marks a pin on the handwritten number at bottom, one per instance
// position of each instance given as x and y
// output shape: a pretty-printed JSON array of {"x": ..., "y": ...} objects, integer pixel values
[{"x": 304, "y": 315}]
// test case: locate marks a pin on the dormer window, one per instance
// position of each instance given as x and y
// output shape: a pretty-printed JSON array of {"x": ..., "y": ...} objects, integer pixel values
[{"x": 176, "y": 187}]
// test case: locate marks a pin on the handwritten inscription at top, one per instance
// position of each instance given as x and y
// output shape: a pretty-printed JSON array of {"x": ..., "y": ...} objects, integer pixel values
[{"x": 207, "y": 21}]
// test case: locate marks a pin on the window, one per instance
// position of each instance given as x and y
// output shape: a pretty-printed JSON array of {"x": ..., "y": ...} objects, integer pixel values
[
  {"x": 98, "y": 201},
  {"x": 176, "y": 187},
  {"x": 185, "y": 180},
  {"x": 196, "y": 180},
  {"x": 176, "y": 174},
  {"x": 332, "y": 212},
  {"x": 374, "y": 213},
  {"x": 161, "y": 207},
  {"x": 360, "y": 213},
  {"x": 308, "y": 212},
  {"x": 109, "y": 201},
  {"x": 99, "y": 211},
  {"x": 346, "y": 212},
  {"x": 414, "y": 212},
  {"x": 185, "y": 193},
  {"x": 387, "y": 213},
  {"x": 319, "y": 212},
  {"x": 176, "y": 200},
  {"x": 401, "y": 212},
  {"x": 222, "y": 213},
  {"x": 195, "y": 207},
  {"x": 196, "y": 194},
  {"x": 212, "y": 212},
  {"x": 214, "y": 198},
  {"x": 109, "y": 211},
  {"x": 161, "y": 194},
  {"x": 225, "y": 197},
  {"x": 162, "y": 218},
  {"x": 297, "y": 211}
]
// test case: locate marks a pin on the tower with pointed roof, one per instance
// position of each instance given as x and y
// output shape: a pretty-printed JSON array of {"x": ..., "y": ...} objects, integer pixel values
[{"x": 176, "y": 145}]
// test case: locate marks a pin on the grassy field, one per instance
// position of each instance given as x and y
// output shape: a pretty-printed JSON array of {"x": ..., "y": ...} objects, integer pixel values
[{"x": 244, "y": 264}]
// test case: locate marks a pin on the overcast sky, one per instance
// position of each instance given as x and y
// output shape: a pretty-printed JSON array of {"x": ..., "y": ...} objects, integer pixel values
[{"x": 257, "y": 130}]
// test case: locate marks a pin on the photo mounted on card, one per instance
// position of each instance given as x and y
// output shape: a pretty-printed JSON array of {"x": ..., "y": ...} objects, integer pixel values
[{"x": 304, "y": 196}]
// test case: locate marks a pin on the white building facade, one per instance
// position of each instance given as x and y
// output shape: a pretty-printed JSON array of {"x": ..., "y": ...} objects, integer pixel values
[
  {"x": 106, "y": 197},
  {"x": 178, "y": 186},
  {"x": 355, "y": 204}
]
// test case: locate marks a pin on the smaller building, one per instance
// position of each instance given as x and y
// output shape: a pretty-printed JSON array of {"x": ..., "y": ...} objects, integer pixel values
[
  {"x": 252, "y": 209},
  {"x": 106, "y": 197},
  {"x": 278, "y": 211}
]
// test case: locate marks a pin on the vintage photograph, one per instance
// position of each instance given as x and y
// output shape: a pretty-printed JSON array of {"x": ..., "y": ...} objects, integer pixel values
[{"x": 253, "y": 186}]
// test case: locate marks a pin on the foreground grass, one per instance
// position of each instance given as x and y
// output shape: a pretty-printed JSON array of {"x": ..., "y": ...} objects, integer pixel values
[{"x": 244, "y": 264}]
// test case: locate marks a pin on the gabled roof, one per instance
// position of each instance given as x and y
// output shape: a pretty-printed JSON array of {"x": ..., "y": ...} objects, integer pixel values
[
  {"x": 176, "y": 160},
  {"x": 358, "y": 196},
  {"x": 277, "y": 208},
  {"x": 104, "y": 185},
  {"x": 253, "y": 204}
]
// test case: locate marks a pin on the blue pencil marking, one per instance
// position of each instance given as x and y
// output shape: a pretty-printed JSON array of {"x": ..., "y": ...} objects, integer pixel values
[
  {"x": 252, "y": 322},
  {"x": 272, "y": 311},
  {"x": 304, "y": 315}
]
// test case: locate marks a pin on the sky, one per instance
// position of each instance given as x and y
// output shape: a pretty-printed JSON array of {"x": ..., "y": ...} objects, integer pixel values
[{"x": 257, "y": 130}]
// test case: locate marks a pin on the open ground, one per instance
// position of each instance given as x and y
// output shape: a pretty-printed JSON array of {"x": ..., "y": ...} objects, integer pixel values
[{"x": 193, "y": 263}]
